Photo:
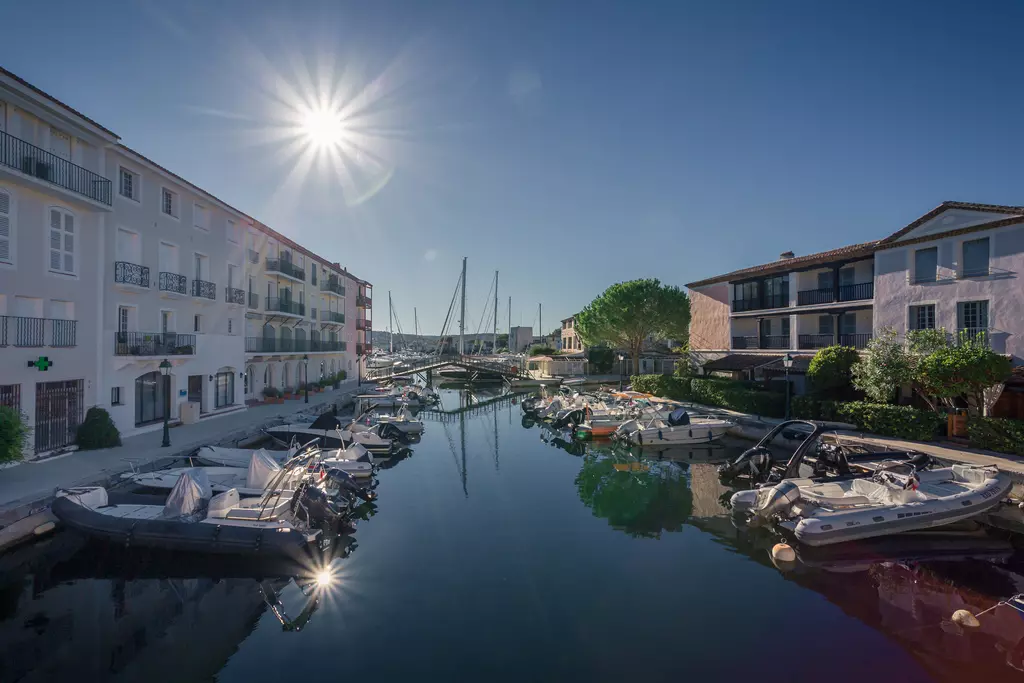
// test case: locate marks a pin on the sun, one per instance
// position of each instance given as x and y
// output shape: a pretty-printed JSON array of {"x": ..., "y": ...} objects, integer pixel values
[{"x": 323, "y": 127}]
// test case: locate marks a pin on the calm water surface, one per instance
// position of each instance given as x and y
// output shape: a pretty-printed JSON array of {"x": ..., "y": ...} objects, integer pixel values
[{"x": 498, "y": 552}]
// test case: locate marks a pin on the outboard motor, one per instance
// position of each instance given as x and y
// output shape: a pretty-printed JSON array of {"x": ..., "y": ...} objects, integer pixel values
[
  {"x": 386, "y": 430},
  {"x": 755, "y": 463},
  {"x": 573, "y": 417},
  {"x": 313, "y": 505},
  {"x": 348, "y": 484},
  {"x": 778, "y": 501}
]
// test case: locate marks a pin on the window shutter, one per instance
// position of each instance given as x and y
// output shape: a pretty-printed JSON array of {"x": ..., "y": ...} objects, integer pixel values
[
  {"x": 5, "y": 224},
  {"x": 56, "y": 239},
  {"x": 69, "y": 243}
]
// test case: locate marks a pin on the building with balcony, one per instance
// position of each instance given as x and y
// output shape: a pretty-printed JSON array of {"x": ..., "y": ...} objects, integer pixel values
[
  {"x": 956, "y": 268},
  {"x": 570, "y": 341},
  {"x": 111, "y": 263}
]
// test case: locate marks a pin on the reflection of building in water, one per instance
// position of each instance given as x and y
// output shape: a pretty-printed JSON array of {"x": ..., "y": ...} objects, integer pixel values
[
  {"x": 114, "y": 630},
  {"x": 707, "y": 491}
]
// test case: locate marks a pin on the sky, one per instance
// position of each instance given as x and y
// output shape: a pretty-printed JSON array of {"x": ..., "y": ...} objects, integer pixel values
[{"x": 569, "y": 145}]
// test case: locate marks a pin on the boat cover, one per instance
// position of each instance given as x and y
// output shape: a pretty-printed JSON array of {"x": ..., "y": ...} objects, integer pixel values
[
  {"x": 262, "y": 470},
  {"x": 189, "y": 496},
  {"x": 326, "y": 421},
  {"x": 678, "y": 417}
]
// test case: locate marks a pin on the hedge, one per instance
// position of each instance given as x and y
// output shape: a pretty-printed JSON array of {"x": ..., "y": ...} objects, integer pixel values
[
  {"x": 903, "y": 422},
  {"x": 712, "y": 392},
  {"x": 666, "y": 386},
  {"x": 996, "y": 434}
]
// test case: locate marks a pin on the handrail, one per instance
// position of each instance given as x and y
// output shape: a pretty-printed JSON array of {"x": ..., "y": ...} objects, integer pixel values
[{"x": 38, "y": 163}]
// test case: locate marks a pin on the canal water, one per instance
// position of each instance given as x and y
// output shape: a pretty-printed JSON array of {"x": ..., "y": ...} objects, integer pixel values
[{"x": 499, "y": 551}]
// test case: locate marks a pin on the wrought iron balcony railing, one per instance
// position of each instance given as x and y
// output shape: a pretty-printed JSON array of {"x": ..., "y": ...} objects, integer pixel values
[
  {"x": 131, "y": 274},
  {"x": 234, "y": 295},
  {"x": 204, "y": 289},
  {"x": 154, "y": 344},
  {"x": 171, "y": 282},
  {"x": 32, "y": 332},
  {"x": 38, "y": 163}
]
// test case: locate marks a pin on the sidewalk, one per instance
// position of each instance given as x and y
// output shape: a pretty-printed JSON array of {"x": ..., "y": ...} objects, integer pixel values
[{"x": 29, "y": 483}]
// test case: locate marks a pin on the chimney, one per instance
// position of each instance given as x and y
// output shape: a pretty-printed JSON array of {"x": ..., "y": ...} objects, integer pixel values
[{"x": 785, "y": 255}]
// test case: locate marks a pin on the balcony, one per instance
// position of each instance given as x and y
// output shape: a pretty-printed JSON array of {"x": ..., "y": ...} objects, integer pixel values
[
  {"x": 254, "y": 256},
  {"x": 820, "y": 341},
  {"x": 332, "y": 287},
  {"x": 233, "y": 295},
  {"x": 277, "y": 304},
  {"x": 274, "y": 345},
  {"x": 332, "y": 317},
  {"x": 286, "y": 268},
  {"x": 364, "y": 301},
  {"x": 360, "y": 323},
  {"x": 764, "y": 303},
  {"x": 131, "y": 274},
  {"x": 740, "y": 343},
  {"x": 204, "y": 289},
  {"x": 359, "y": 349},
  {"x": 171, "y": 282},
  {"x": 815, "y": 297},
  {"x": 38, "y": 163},
  {"x": 32, "y": 332},
  {"x": 254, "y": 300},
  {"x": 154, "y": 344}
]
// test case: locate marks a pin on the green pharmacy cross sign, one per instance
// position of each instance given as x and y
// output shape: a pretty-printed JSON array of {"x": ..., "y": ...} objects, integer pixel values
[{"x": 42, "y": 363}]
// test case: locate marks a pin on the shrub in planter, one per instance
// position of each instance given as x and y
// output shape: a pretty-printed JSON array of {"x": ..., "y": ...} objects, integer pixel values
[
  {"x": 342, "y": 374},
  {"x": 997, "y": 434},
  {"x": 902, "y": 422},
  {"x": 271, "y": 392},
  {"x": 14, "y": 434},
  {"x": 97, "y": 431}
]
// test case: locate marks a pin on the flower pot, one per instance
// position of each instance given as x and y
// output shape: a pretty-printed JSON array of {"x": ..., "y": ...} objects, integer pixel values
[{"x": 956, "y": 425}]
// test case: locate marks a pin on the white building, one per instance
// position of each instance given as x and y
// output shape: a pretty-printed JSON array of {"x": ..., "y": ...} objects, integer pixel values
[
  {"x": 111, "y": 264},
  {"x": 520, "y": 339}
]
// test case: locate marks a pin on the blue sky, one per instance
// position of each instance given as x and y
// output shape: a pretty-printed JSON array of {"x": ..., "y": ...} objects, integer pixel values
[{"x": 569, "y": 145}]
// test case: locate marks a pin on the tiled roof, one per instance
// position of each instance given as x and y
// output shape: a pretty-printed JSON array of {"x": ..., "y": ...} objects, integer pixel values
[
  {"x": 788, "y": 264},
  {"x": 53, "y": 99},
  {"x": 990, "y": 208}
]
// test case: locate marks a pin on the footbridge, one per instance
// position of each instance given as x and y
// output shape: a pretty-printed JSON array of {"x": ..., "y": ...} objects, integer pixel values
[{"x": 479, "y": 364}]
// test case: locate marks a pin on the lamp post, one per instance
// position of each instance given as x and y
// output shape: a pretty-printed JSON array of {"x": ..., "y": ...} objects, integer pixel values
[
  {"x": 622, "y": 369},
  {"x": 787, "y": 361},
  {"x": 305, "y": 374},
  {"x": 165, "y": 370}
]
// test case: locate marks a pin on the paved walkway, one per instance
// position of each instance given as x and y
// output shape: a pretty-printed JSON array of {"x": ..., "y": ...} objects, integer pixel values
[{"x": 29, "y": 482}]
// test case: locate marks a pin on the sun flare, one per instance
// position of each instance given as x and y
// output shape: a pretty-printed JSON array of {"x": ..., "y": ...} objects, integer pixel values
[{"x": 323, "y": 127}]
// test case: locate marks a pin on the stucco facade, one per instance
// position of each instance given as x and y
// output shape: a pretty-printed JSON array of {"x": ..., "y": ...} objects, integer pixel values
[{"x": 709, "y": 317}]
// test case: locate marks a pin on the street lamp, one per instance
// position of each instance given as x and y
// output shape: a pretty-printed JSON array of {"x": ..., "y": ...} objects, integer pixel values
[
  {"x": 305, "y": 374},
  {"x": 622, "y": 369},
  {"x": 787, "y": 361},
  {"x": 165, "y": 370}
]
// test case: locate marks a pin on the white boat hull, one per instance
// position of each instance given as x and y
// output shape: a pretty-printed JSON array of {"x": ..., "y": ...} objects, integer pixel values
[{"x": 685, "y": 434}]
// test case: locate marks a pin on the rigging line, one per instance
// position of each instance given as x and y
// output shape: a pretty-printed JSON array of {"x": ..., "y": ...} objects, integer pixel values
[
  {"x": 451, "y": 306},
  {"x": 486, "y": 311}
]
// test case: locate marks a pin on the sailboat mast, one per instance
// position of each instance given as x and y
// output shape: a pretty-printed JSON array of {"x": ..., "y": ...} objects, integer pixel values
[
  {"x": 494, "y": 335},
  {"x": 415, "y": 322},
  {"x": 391, "y": 333},
  {"x": 511, "y": 350},
  {"x": 540, "y": 324},
  {"x": 462, "y": 317}
]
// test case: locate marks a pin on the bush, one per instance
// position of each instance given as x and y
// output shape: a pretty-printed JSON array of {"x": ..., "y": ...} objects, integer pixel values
[
  {"x": 271, "y": 392},
  {"x": 342, "y": 374},
  {"x": 996, "y": 434},
  {"x": 731, "y": 395},
  {"x": 829, "y": 372},
  {"x": 14, "y": 434},
  {"x": 902, "y": 422},
  {"x": 541, "y": 351},
  {"x": 97, "y": 431},
  {"x": 665, "y": 386},
  {"x": 812, "y": 408}
]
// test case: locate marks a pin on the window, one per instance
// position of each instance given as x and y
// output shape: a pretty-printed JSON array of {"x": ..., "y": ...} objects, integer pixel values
[
  {"x": 169, "y": 202},
  {"x": 129, "y": 184},
  {"x": 785, "y": 327},
  {"x": 232, "y": 232},
  {"x": 62, "y": 241},
  {"x": 166, "y": 321},
  {"x": 230, "y": 326},
  {"x": 825, "y": 280},
  {"x": 972, "y": 316},
  {"x": 199, "y": 217},
  {"x": 847, "y": 277},
  {"x": 848, "y": 323},
  {"x": 224, "y": 389},
  {"x": 825, "y": 325},
  {"x": 60, "y": 144},
  {"x": 6, "y": 226},
  {"x": 197, "y": 323},
  {"x": 922, "y": 317},
  {"x": 926, "y": 262},
  {"x": 115, "y": 396},
  {"x": 975, "y": 258},
  {"x": 122, "y": 318}
]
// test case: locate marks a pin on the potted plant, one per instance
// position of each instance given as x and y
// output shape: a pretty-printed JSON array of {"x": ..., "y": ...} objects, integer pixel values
[
  {"x": 272, "y": 395},
  {"x": 287, "y": 393}
]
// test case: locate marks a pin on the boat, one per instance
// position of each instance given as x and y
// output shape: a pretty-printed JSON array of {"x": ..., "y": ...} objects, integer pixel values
[
  {"x": 240, "y": 457},
  {"x": 330, "y": 433},
  {"x": 819, "y": 513},
  {"x": 677, "y": 428},
  {"x": 404, "y": 421},
  {"x": 353, "y": 459},
  {"x": 250, "y": 481},
  {"x": 193, "y": 519}
]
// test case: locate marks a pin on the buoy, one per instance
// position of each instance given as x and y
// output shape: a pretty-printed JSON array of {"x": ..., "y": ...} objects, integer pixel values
[
  {"x": 964, "y": 618},
  {"x": 783, "y": 552},
  {"x": 44, "y": 528}
]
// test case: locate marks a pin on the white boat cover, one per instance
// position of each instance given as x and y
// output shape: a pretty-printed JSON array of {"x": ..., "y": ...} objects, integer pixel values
[
  {"x": 222, "y": 503},
  {"x": 189, "y": 496},
  {"x": 262, "y": 470},
  {"x": 239, "y": 457},
  {"x": 355, "y": 452}
]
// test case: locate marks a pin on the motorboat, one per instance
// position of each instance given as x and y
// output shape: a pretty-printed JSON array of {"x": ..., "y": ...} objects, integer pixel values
[
  {"x": 240, "y": 457},
  {"x": 678, "y": 428},
  {"x": 193, "y": 519},
  {"x": 404, "y": 421},
  {"x": 814, "y": 456},
  {"x": 247, "y": 481},
  {"x": 353, "y": 459},
  {"x": 330, "y": 433},
  {"x": 820, "y": 513}
]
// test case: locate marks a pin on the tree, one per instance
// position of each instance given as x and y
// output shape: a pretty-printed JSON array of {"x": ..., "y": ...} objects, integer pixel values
[
  {"x": 628, "y": 313},
  {"x": 964, "y": 369},
  {"x": 829, "y": 371},
  {"x": 884, "y": 367},
  {"x": 601, "y": 359},
  {"x": 541, "y": 351},
  {"x": 14, "y": 434}
]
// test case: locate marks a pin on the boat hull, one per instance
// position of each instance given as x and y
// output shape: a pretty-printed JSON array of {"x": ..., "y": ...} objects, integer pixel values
[{"x": 686, "y": 434}]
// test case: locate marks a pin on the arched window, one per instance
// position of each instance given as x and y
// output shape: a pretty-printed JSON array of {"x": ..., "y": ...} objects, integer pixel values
[{"x": 150, "y": 403}]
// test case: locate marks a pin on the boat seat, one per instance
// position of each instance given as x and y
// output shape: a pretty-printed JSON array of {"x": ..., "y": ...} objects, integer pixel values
[
  {"x": 831, "y": 494},
  {"x": 251, "y": 511}
]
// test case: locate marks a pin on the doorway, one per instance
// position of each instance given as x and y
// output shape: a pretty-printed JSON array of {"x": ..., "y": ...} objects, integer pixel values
[{"x": 195, "y": 391}]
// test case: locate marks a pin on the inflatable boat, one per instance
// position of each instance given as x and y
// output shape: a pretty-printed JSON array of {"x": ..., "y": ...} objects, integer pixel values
[
  {"x": 240, "y": 457},
  {"x": 250, "y": 481},
  {"x": 677, "y": 428},
  {"x": 331, "y": 434},
  {"x": 194, "y": 520}
]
